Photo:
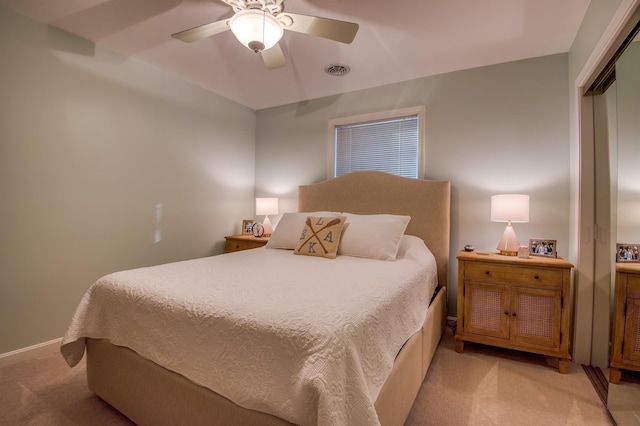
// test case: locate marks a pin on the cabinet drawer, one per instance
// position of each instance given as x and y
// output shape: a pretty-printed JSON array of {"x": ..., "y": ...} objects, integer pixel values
[
  {"x": 238, "y": 245},
  {"x": 512, "y": 274}
]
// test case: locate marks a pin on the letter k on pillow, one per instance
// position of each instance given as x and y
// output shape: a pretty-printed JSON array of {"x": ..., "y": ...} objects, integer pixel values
[{"x": 321, "y": 236}]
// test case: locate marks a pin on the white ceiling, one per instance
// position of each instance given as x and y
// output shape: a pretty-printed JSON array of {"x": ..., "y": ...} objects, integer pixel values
[{"x": 398, "y": 40}]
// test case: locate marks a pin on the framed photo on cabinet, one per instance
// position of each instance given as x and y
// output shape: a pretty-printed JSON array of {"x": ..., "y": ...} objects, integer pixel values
[
  {"x": 627, "y": 252},
  {"x": 540, "y": 247},
  {"x": 247, "y": 226}
]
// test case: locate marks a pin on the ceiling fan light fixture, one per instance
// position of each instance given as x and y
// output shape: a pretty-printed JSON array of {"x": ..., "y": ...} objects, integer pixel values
[{"x": 256, "y": 29}]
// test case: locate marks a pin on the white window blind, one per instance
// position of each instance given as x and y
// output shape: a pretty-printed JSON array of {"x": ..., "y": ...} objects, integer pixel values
[{"x": 390, "y": 145}]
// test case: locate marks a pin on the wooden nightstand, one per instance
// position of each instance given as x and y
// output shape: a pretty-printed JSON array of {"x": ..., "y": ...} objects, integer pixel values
[
  {"x": 515, "y": 303},
  {"x": 243, "y": 242},
  {"x": 625, "y": 348}
]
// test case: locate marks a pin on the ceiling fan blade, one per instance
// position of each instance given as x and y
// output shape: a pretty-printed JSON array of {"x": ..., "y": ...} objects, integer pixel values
[
  {"x": 332, "y": 29},
  {"x": 202, "y": 31},
  {"x": 273, "y": 58}
]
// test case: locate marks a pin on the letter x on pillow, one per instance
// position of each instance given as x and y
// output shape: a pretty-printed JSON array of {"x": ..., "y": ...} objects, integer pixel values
[{"x": 321, "y": 236}]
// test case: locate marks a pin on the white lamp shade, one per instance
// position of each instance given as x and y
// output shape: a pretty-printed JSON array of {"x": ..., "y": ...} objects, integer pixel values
[
  {"x": 256, "y": 29},
  {"x": 510, "y": 208},
  {"x": 266, "y": 206}
]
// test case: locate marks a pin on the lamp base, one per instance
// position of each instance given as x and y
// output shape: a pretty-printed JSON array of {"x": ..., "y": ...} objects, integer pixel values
[
  {"x": 508, "y": 245},
  {"x": 268, "y": 229}
]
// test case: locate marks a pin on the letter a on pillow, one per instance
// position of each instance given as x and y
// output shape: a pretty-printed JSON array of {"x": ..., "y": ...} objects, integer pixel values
[{"x": 321, "y": 236}]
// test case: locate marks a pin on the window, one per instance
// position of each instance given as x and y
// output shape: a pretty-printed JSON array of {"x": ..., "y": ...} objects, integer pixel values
[{"x": 391, "y": 142}]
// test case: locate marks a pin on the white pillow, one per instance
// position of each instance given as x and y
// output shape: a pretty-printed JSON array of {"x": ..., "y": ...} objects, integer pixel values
[
  {"x": 286, "y": 234},
  {"x": 413, "y": 248},
  {"x": 373, "y": 236}
]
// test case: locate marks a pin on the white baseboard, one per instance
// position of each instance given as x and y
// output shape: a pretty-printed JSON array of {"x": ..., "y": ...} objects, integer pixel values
[{"x": 30, "y": 352}]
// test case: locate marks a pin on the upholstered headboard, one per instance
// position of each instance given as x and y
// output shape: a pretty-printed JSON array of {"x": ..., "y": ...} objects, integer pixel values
[{"x": 369, "y": 192}]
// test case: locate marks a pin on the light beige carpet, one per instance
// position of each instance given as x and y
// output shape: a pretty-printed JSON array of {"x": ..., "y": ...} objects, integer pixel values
[
  {"x": 490, "y": 386},
  {"x": 482, "y": 386},
  {"x": 45, "y": 391}
]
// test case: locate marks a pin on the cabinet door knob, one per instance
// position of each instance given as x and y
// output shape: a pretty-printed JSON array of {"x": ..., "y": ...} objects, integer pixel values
[
  {"x": 536, "y": 277},
  {"x": 513, "y": 314},
  {"x": 506, "y": 312},
  {"x": 487, "y": 272}
]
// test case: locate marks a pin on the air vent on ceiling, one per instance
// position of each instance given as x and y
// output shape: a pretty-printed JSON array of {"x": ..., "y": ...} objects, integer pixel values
[{"x": 337, "y": 70}]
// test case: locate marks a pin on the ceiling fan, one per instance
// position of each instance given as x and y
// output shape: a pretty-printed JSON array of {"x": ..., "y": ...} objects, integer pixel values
[{"x": 260, "y": 24}]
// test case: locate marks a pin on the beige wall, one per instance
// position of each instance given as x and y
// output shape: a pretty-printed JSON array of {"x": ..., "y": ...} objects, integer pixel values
[
  {"x": 92, "y": 144},
  {"x": 496, "y": 129}
]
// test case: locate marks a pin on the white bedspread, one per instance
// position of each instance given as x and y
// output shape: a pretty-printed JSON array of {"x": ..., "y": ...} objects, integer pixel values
[{"x": 307, "y": 339}]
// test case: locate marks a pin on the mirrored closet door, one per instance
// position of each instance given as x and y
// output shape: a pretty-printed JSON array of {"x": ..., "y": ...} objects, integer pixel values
[{"x": 616, "y": 106}]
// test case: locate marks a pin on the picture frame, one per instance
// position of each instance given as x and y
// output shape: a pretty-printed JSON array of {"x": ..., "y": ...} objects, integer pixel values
[
  {"x": 542, "y": 247},
  {"x": 247, "y": 226},
  {"x": 627, "y": 253}
]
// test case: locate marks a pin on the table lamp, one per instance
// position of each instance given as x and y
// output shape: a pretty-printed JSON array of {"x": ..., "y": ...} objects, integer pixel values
[{"x": 509, "y": 208}]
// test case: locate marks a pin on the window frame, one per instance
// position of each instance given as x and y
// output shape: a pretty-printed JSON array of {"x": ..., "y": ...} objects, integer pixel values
[{"x": 420, "y": 111}]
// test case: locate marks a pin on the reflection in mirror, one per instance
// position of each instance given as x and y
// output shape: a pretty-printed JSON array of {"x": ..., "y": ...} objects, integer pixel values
[{"x": 622, "y": 106}]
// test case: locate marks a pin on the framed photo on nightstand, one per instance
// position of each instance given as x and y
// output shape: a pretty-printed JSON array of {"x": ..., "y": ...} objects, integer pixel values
[
  {"x": 247, "y": 226},
  {"x": 627, "y": 252},
  {"x": 540, "y": 247}
]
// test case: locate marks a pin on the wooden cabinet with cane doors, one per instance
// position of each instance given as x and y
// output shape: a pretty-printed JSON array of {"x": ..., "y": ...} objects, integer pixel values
[
  {"x": 625, "y": 344},
  {"x": 514, "y": 303}
]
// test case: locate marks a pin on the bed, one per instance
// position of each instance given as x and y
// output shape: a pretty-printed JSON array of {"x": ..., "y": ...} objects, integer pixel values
[{"x": 150, "y": 386}]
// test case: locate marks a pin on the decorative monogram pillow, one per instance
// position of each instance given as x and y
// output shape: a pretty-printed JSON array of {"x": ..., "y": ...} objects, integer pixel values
[
  {"x": 286, "y": 234},
  {"x": 321, "y": 236}
]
